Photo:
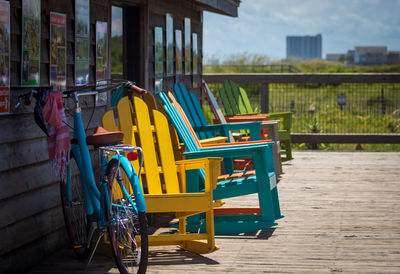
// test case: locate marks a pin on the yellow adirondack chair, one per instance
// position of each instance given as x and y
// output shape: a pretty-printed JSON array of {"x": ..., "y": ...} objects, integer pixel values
[{"x": 165, "y": 189}]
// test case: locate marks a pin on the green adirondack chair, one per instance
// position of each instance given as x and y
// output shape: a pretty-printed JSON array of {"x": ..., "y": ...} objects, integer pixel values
[
  {"x": 263, "y": 182},
  {"x": 236, "y": 103}
]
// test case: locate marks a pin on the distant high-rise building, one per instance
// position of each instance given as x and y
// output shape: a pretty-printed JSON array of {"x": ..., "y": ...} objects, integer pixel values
[{"x": 305, "y": 47}]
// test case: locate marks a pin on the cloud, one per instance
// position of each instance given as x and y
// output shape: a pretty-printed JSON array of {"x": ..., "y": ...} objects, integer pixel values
[{"x": 262, "y": 26}]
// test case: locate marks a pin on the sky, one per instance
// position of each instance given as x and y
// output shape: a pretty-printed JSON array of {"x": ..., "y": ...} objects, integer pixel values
[{"x": 262, "y": 26}]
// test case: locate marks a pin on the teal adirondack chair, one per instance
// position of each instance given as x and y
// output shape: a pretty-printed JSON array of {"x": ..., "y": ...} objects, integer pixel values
[
  {"x": 263, "y": 182},
  {"x": 237, "y": 103},
  {"x": 195, "y": 115}
]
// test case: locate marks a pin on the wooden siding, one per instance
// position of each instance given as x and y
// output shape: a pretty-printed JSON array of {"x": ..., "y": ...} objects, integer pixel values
[{"x": 31, "y": 220}]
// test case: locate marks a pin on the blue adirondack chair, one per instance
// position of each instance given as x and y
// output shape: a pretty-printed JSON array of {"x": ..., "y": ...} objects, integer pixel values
[
  {"x": 232, "y": 221},
  {"x": 195, "y": 115}
]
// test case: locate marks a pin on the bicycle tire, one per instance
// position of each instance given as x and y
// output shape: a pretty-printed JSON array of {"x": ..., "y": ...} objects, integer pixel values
[
  {"x": 75, "y": 217},
  {"x": 125, "y": 225}
]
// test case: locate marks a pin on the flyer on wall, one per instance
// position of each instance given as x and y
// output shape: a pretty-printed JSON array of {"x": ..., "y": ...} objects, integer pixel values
[
  {"x": 4, "y": 57},
  {"x": 169, "y": 42},
  {"x": 101, "y": 60},
  {"x": 30, "y": 71},
  {"x": 82, "y": 42},
  {"x": 58, "y": 53},
  {"x": 187, "y": 45}
]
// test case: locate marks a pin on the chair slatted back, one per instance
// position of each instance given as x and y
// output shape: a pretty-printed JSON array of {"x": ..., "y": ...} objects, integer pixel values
[
  {"x": 183, "y": 123},
  {"x": 167, "y": 161},
  {"x": 192, "y": 109},
  {"x": 229, "y": 110},
  {"x": 247, "y": 105},
  {"x": 231, "y": 98},
  {"x": 236, "y": 98},
  {"x": 150, "y": 137}
]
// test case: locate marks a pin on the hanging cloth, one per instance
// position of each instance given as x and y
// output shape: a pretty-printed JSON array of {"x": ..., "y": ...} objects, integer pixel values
[{"x": 58, "y": 141}]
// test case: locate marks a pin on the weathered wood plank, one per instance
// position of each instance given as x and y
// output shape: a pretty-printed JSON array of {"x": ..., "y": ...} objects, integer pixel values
[
  {"x": 17, "y": 128},
  {"x": 22, "y": 233},
  {"x": 31, "y": 203},
  {"x": 17, "y": 181},
  {"x": 14, "y": 261},
  {"x": 27, "y": 178},
  {"x": 28, "y": 152}
]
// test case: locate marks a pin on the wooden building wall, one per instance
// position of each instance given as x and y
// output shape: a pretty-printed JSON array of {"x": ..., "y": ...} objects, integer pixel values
[{"x": 31, "y": 219}]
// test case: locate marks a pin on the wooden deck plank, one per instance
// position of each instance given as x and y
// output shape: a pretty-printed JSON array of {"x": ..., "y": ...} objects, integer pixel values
[{"x": 342, "y": 214}]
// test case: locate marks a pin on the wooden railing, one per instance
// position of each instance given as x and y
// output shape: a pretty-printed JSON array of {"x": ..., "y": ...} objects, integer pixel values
[{"x": 388, "y": 99}]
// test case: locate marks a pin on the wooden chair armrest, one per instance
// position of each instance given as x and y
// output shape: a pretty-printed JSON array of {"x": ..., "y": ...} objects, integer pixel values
[
  {"x": 215, "y": 140},
  {"x": 211, "y": 166}
]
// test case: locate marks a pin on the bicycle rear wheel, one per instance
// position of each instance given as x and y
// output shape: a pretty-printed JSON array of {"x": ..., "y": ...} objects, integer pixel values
[
  {"x": 126, "y": 225},
  {"x": 76, "y": 220}
]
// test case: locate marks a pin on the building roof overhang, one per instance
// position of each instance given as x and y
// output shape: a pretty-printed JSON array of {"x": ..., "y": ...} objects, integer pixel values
[{"x": 225, "y": 7}]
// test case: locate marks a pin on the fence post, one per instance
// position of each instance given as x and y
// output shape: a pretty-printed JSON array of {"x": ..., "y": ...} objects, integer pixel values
[{"x": 264, "y": 97}]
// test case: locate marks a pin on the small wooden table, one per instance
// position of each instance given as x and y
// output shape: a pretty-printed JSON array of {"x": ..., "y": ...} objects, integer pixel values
[{"x": 272, "y": 127}]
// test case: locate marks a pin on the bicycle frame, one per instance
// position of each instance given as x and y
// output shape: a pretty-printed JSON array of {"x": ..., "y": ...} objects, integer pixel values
[{"x": 91, "y": 194}]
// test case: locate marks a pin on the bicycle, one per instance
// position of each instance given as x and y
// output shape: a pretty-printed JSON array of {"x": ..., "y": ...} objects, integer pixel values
[{"x": 87, "y": 209}]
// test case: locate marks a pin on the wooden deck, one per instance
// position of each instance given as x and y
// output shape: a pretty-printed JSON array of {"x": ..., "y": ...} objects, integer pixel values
[{"x": 342, "y": 214}]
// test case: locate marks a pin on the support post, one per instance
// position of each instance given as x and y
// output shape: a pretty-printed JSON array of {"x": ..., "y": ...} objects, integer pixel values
[{"x": 264, "y": 97}]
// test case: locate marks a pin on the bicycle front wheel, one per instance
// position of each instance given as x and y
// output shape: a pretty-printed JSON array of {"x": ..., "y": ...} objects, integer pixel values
[
  {"x": 126, "y": 227},
  {"x": 73, "y": 205}
]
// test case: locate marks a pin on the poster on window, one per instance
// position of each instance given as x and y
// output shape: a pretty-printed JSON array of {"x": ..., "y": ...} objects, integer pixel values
[
  {"x": 82, "y": 31},
  {"x": 178, "y": 51},
  {"x": 101, "y": 60},
  {"x": 195, "y": 52},
  {"x": 187, "y": 45},
  {"x": 4, "y": 57},
  {"x": 158, "y": 58},
  {"x": 30, "y": 70},
  {"x": 58, "y": 51},
  {"x": 169, "y": 42}
]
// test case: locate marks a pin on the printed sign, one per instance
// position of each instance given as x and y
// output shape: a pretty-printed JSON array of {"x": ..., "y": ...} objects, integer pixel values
[
  {"x": 101, "y": 59},
  {"x": 58, "y": 50},
  {"x": 169, "y": 43},
  {"x": 4, "y": 57},
  {"x": 82, "y": 32},
  {"x": 30, "y": 71},
  {"x": 187, "y": 45}
]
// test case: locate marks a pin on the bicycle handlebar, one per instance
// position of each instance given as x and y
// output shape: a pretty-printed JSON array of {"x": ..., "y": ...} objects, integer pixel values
[
  {"x": 137, "y": 89},
  {"x": 27, "y": 97}
]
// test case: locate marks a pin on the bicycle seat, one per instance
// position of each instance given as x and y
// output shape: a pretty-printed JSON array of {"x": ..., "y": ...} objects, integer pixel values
[{"x": 103, "y": 137}]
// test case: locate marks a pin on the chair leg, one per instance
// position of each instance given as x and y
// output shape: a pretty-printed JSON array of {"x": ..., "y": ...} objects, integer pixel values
[
  {"x": 287, "y": 147},
  {"x": 210, "y": 230},
  {"x": 201, "y": 247}
]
